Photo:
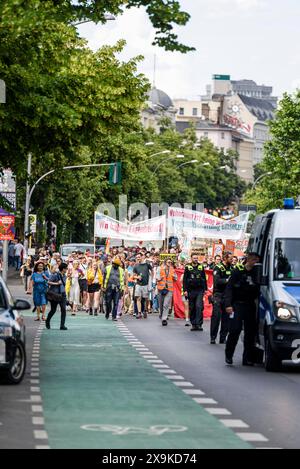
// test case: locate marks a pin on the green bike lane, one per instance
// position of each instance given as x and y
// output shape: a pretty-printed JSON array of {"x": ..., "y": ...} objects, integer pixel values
[{"x": 99, "y": 392}]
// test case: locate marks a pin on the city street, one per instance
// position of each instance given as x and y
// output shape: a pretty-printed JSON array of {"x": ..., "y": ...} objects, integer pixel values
[{"x": 135, "y": 384}]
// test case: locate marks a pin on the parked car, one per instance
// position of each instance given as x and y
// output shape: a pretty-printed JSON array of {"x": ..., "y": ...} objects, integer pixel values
[{"x": 12, "y": 337}]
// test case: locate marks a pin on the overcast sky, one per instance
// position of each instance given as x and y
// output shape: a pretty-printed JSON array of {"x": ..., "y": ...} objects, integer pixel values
[{"x": 253, "y": 39}]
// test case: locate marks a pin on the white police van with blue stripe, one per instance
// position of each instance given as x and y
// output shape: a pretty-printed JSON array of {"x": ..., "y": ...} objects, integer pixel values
[{"x": 276, "y": 238}]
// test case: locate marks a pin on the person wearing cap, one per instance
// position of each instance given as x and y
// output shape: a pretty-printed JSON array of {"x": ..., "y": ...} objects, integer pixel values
[{"x": 113, "y": 287}]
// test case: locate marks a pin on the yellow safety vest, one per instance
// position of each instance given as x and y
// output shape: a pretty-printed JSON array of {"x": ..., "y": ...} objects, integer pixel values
[{"x": 108, "y": 271}]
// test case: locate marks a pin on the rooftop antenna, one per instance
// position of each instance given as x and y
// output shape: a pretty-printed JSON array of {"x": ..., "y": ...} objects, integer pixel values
[{"x": 154, "y": 72}]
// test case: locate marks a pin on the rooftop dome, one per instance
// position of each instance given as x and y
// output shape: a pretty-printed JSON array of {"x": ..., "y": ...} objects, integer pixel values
[{"x": 160, "y": 98}]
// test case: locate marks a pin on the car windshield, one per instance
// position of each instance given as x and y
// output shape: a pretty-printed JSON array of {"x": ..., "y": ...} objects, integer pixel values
[
  {"x": 66, "y": 250},
  {"x": 287, "y": 259}
]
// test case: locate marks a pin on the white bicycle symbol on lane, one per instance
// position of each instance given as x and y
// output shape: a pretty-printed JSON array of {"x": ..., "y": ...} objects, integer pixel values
[{"x": 154, "y": 430}]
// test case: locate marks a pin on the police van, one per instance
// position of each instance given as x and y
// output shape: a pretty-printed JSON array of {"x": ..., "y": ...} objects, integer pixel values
[{"x": 276, "y": 238}]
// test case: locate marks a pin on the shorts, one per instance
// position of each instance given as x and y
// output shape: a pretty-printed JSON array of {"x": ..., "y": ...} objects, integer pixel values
[
  {"x": 83, "y": 284},
  {"x": 93, "y": 288},
  {"x": 141, "y": 291}
]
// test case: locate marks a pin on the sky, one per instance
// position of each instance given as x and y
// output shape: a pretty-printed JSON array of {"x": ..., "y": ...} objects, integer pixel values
[{"x": 246, "y": 39}]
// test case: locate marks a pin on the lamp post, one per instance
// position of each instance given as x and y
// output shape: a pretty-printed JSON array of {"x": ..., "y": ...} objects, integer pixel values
[
  {"x": 29, "y": 191},
  {"x": 187, "y": 163},
  {"x": 163, "y": 152},
  {"x": 165, "y": 161},
  {"x": 269, "y": 173}
]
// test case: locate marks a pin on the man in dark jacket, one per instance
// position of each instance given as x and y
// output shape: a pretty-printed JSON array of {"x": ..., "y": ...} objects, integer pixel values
[
  {"x": 57, "y": 284},
  {"x": 222, "y": 272},
  {"x": 240, "y": 302},
  {"x": 194, "y": 287}
]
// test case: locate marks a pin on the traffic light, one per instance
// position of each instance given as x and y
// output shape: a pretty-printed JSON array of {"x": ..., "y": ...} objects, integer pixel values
[{"x": 115, "y": 173}]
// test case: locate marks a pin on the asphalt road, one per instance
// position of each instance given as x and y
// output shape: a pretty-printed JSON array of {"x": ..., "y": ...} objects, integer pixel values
[{"x": 267, "y": 402}]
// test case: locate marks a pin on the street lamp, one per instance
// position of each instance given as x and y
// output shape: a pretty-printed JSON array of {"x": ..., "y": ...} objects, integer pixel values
[
  {"x": 29, "y": 191},
  {"x": 163, "y": 152},
  {"x": 166, "y": 160},
  {"x": 188, "y": 162},
  {"x": 269, "y": 173}
]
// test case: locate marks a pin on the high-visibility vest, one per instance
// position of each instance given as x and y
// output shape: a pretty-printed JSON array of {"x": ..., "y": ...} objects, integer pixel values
[
  {"x": 166, "y": 281},
  {"x": 107, "y": 275}
]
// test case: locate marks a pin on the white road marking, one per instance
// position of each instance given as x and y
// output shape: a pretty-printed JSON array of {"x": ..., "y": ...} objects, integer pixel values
[
  {"x": 194, "y": 392},
  {"x": 42, "y": 447},
  {"x": 184, "y": 384},
  {"x": 252, "y": 437},
  {"x": 150, "y": 360},
  {"x": 35, "y": 375},
  {"x": 35, "y": 398},
  {"x": 167, "y": 371},
  {"x": 37, "y": 408},
  {"x": 40, "y": 435},
  {"x": 159, "y": 366},
  {"x": 218, "y": 411},
  {"x": 230, "y": 423},
  {"x": 35, "y": 381},
  {"x": 38, "y": 420},
  {"x": 204, "y": 400},
  {"x": 35, "y": 389},
  {"x": 35, "y": 370},
  {"x": 175, "y": 377}
]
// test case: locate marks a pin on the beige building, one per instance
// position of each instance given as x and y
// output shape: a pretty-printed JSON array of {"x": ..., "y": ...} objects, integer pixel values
[{"x": 188, "y": 110}]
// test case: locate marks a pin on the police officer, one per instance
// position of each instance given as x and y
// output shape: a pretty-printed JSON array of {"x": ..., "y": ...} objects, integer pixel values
[
  {"x": 222, "y": 272},
  {"x": 194, "y": 287},
  {"x": 241, "y": 294}
]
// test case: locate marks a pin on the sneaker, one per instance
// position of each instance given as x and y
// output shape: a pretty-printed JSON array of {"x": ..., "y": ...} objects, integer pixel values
[
  {"x": 222, "y": 341},
  {"x": 106, "y": 317},
  {"x": 139, "y": 316},
  {"x": 115, "y": 319},
  {"x": 145, "y": 315},
  {"x": 187, "y": 323},
  {"x": 96, "y": 314},
  {"x": 229, "y": 361},
  {"x": 164, "y": 322},
  {"x": 47, "y": 325},
  {"x": 194, "y": 328},
  {"x": 63, "y": 328},
  {"x": 200, "y": 328},
  {"x": 213, "y": 341}
]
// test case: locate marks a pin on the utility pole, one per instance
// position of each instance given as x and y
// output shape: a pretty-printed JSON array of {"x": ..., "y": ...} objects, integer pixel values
[{"x": 27, "y": 203}]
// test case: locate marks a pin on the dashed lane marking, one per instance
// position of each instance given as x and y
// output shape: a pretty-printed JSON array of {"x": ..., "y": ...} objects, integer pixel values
[
  {"x": 252, "y": 437},
  {"x": 218, "y": 411},
  {"x": 230, "y": 423}
]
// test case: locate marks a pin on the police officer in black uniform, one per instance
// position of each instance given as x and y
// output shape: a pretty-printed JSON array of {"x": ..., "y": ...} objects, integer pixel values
[
  {"x": 241, "y": 294},
  {"x": 222, "y": 272},
  {"x": 194, "y": 287}
]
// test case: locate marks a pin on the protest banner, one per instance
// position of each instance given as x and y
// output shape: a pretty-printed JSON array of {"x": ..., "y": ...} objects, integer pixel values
[
  {"x": 178, "y": 303},
  {"x": 7, "y": 227},
  {"x": 153, "y": 229},
  {"x": 230, "y": 246},
  {"x": 185, "y": 223},
  {"x": 164, "y": 257}
]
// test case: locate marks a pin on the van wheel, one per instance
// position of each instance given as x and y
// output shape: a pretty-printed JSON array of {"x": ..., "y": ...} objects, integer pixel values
[
  {"x": 16, "y": 371},
  {"x": 272, "y": 362}
]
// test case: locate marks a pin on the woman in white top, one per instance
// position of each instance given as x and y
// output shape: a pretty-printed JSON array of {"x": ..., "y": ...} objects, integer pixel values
[{"x": 75, "y": 273}]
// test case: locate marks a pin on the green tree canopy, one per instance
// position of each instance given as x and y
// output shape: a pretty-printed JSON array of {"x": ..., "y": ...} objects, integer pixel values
[{"x": 282, "y": 158}]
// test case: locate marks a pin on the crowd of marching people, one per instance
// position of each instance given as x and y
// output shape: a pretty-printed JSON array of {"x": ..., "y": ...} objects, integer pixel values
[{"x": 139, "y": 282}]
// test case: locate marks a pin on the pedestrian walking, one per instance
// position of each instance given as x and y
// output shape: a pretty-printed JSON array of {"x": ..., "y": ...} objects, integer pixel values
[
  {"x": 40, "y": 286},
  {"x": 95, "y": 282},
  {"x": 194, "y": 287},
  {"x": 18, "y": 254},
  {"x": 74, "y": 296},
  {"x": 240, "y": 302},
  {"x": 221, "y": 275},
  {"x": 57, "y": 295},
  {"x": 165, "y": 277},
  {"x": 114, "y": 284},
  {"x": 143, "y": 276}
]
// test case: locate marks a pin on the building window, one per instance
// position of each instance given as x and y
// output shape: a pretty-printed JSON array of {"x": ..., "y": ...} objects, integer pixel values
[
  {"x": 181, "y": 111},
  {"x": 223, "y": 135},
  {"x": 195, "y": 111}
]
